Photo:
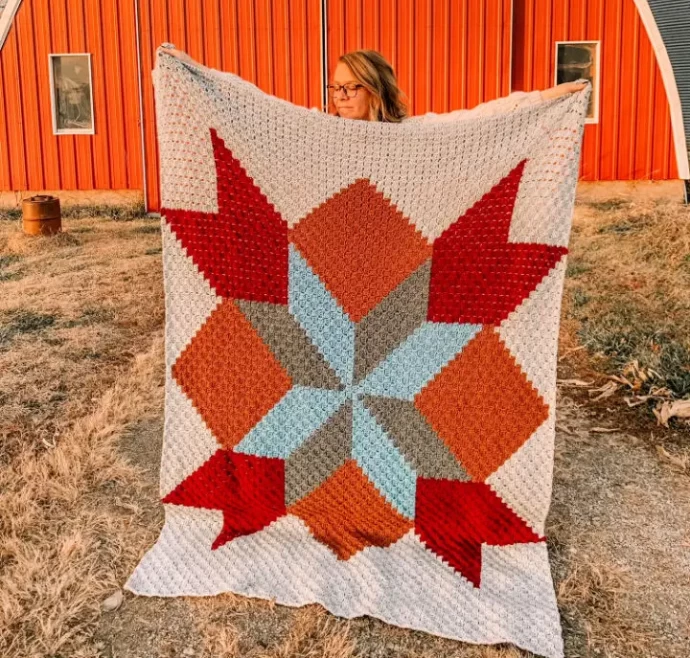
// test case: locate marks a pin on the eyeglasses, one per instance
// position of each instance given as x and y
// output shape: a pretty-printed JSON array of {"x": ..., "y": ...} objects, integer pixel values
[{"x": 350, "y": 89}]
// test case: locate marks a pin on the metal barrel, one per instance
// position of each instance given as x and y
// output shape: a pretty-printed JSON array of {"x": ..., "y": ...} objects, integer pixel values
[{"x": 41, "y": 215}]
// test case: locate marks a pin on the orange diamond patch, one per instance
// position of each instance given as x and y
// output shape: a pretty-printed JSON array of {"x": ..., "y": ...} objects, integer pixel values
[
  {"x": 482, "y": 405},
  {"x": 360, "y": 245},
  {"x": 230, "y": 375}
]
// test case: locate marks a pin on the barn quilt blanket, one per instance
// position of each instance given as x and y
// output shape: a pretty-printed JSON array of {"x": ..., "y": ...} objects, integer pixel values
[{"x": 361, "y": 333}]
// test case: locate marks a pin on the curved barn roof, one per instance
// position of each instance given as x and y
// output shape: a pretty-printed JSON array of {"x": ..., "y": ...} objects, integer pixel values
[
  {"x": 673, "y": 20},
  {"x": 8, "y": 8},
  {"x": 668, "y": 24}
]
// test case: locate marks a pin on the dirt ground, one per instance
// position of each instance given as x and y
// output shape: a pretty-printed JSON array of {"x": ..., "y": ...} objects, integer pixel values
[{"x": 81, "y": 377}]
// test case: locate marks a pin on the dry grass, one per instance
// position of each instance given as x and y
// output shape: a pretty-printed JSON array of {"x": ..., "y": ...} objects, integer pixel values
[
  {"x": 80, "y": 357},
  {"x": 81, "y": 330},
  {"x": 87, "y": 211},
  {"x": 628, "y": 291},
  {"x": 594, "y": 592},
  {"x": 617, "y": 537},
  {"x": 627, "y": 302}
]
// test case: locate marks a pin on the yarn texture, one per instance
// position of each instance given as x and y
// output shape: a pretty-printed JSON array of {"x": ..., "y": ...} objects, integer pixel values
[{"x": 361, "y": 336}]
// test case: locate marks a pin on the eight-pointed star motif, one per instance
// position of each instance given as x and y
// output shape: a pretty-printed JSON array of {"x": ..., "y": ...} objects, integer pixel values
[{"x": 370, "y": 416}]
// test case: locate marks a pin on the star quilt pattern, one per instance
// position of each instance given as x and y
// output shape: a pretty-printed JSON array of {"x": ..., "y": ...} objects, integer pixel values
[{"x": 360, "y": 357}]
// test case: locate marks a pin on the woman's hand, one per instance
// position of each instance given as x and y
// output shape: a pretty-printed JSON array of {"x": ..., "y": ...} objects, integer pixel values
[
  {"x": 181, "y": 55},
  {"x": 562, "y": 89}
]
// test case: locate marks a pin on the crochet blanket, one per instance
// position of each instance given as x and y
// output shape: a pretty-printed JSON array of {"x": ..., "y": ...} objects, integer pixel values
[{"x": 361, "y": 334}]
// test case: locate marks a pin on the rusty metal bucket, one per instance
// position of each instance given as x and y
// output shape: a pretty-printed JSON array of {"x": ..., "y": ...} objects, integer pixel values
[{"x": 41, "y": 215}]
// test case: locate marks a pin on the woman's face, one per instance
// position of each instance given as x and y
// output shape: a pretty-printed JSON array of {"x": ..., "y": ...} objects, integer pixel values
[{"x": 350, "y": 108}]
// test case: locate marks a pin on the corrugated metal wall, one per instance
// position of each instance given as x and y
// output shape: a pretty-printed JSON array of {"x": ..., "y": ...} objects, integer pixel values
[
  {"x": 276, "y": 44},
  {"x": 31, "y": 157},
  {"x": 673, "y": 20},
  {"x": 446, "y": 54},
  {"x": 633, "y": 139}
]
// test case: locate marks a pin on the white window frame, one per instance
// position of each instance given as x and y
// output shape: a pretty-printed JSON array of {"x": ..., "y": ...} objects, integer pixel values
[
  {"x": 596, "y": 85},
  {"x": 53, "y": 112}
]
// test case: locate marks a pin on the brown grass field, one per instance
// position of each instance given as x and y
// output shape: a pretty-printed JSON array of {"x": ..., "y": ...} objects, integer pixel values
[{"x": 81, "y": 393}]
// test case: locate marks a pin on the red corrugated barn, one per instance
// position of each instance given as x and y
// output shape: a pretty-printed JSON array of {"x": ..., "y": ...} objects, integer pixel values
[{"x": 77, "y": 108}]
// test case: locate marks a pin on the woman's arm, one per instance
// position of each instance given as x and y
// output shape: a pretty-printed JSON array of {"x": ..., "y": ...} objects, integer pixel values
[
  {"x": 496, "y": 106},
  {"x": 505, "y": 104}
]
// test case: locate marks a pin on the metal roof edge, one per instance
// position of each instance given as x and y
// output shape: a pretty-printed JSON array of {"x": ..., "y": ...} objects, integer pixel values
[
  {"x": 6, "y": 19},
  {"x": 671, "y": 85}
]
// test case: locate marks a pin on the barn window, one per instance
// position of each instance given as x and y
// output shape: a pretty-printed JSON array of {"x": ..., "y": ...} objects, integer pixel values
[
  {"x": 580, "y": 59},
  {"x": 71, "y": 93}
]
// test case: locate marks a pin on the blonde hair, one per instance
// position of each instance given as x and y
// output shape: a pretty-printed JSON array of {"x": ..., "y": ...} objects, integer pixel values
[{"x": 372, "y": 70}]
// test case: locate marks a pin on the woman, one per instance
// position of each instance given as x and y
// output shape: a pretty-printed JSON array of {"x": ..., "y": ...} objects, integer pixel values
[{"x": 364, "y": 87}]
